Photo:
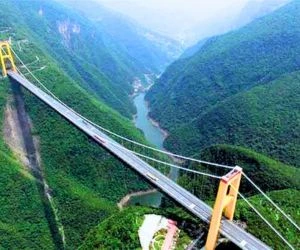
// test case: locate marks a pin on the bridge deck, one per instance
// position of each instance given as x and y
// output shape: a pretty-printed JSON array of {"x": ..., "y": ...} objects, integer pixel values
[{"x": 197, "y": 207}]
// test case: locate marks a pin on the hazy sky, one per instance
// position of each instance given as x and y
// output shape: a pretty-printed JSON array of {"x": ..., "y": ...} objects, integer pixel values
[{"x": 177, "y": 18}]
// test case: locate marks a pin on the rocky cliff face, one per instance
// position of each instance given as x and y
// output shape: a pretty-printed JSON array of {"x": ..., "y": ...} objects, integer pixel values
[{"x": 67, "y": 29}]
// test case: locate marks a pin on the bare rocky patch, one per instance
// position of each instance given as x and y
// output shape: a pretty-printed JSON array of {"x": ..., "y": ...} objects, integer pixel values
[{"x": 13, "y": 133}]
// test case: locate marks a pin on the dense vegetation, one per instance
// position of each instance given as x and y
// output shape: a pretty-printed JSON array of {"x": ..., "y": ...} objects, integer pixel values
[
  {"x": 265, "y": 118},
  {"x": 23, "y": 222},
  {"x": 78, "y": 47},
  {"x": 222, "y": 94},
  {"x": 117, "y": 232}
]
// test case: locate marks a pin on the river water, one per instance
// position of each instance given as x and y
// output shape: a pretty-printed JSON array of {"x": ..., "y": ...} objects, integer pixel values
[
  {"x": 152, "y": 133},
  {"x": 156, "y": 137}
]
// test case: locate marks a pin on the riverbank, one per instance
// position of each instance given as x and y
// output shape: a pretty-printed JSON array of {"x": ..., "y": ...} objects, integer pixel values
[
  {"x": 165, "y": 133},
  {"x": 126, "y": 199}
]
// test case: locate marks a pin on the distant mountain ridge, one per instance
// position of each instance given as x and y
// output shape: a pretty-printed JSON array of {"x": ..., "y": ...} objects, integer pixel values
[
  {"x": 257, "y": 8},
  {"x": 152, "y": 51},
  {"x": 252, "y": 10}
]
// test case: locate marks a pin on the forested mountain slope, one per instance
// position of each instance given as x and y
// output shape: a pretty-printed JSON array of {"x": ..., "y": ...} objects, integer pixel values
[
  {"x": 84, "y": 180},
  {"x": 83, "y": 50},
  {"x": 265, "y": 118},
  {"x": 223, "y": 93}
]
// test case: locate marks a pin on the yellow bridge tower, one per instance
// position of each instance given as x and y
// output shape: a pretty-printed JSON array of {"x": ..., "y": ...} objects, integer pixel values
[
  {"x": 6, "y": 58},
  {"x": 225, "y": 204}
]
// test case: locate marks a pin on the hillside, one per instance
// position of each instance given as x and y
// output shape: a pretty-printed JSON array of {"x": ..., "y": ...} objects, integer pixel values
[
  {"x": 255, "y": 9},
  {"x": 260, "y": 118},
  {"x": 83, "y": 179},
  {"x": 87, "y": 54},
  {"x": 196, "y": 91}
]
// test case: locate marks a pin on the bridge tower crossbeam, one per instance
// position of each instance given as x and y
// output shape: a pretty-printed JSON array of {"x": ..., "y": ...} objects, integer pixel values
[
  {"x": 6, "y": 57},
  {"x": 224, "y": 205}
]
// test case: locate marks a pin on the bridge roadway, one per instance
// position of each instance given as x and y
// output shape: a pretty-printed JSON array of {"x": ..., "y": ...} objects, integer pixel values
[{"x": 197, "y": 207}]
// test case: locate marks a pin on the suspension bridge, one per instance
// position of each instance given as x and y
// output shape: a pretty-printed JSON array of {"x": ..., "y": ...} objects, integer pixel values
[{"x": 220, "y": 218}]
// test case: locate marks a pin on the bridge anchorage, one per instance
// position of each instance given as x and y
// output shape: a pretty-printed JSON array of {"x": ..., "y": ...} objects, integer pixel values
[{"x": 6, "y": 58}]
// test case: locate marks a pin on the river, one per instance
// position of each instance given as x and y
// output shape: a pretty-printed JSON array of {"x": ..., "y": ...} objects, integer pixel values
[
  {"x": 152, "y": 133},
  {"x": 156, "y": 137}
]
